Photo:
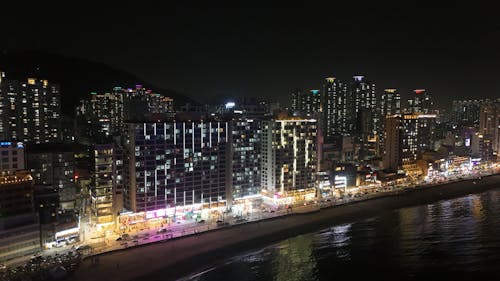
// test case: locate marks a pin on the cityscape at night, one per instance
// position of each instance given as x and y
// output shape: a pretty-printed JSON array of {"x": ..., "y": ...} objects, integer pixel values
[{"x": 237, "y": 142}]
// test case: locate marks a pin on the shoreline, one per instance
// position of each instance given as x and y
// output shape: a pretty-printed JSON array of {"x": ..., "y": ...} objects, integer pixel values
[{"x": 185, "y": 256}]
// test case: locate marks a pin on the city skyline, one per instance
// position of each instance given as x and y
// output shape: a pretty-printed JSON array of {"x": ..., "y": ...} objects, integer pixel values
[
  {"x": 214, "y": 51},
  {"x": 206, "y": 129}
]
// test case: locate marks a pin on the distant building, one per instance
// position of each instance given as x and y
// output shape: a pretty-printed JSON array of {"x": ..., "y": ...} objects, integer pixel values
[
  {"x": 306, "y": 102},
  {"x": 421, "y": 102},
  {"x": 336, "y": 117},
  {"x": 364, "y": 101},
  {"x": 103, "y": 115},
  {"x": 467, "y": 112},
  {"x": 393, "y": 156},
  {"x": 489, "y": 125},
  {"x": 390, "y": 104},
  {"x": 30, "y": 111}
]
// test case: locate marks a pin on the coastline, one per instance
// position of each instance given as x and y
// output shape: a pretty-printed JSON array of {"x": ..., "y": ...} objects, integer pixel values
[{"x": 180, "y": 257}]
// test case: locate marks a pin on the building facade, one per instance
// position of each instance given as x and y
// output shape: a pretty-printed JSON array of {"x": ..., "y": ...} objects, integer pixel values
[
  {"x": 19, "y": 228},
  {"x": 12, "y": 157},
  {"x": 30, "y": 111},
  {"x": 54, "y": 165},
  {"x": 289, "y": 159},
  {"x": 336, "y": 109},
  {"x": 176, "y": 164},
  {"x": 106, "y": 184},
  {"x": 245, "y": 155}
]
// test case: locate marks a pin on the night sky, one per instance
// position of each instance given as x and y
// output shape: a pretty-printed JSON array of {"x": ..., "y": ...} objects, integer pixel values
[{"x": 212, "y": 51}]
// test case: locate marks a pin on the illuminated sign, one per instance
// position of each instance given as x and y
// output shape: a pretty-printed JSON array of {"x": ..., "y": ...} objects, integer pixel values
[
  {"x": 330, "y": 79},
  {"x": 230, "y": 105},
  {"x": 467, "y": 142},
  {"x": 419, "y": 91},
  {"x": 315, "y": 92},
  {"x": 358, "y": 77},
  {"x": 5, "y": 143},
  {"x": 390, "y": 91},
  {"x": 65, "y": 232}
]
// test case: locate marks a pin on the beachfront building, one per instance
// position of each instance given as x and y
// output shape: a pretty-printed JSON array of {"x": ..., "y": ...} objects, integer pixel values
[
  {"x": 289, "y": 159},
  {"x": 175, "y": 169},
  {"x": 244, "y": 155},
  {"x": 106, "y": 185}
]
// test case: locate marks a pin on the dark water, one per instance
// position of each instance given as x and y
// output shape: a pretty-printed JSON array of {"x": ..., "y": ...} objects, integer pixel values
[{"x": 457, "y": 239}]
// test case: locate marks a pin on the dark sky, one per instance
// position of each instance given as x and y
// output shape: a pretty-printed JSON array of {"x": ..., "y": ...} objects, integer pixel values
[{"x": 215, "y": 50}]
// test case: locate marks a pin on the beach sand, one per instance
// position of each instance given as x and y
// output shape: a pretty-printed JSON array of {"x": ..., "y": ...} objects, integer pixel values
[{"x": 178, "y": 258}]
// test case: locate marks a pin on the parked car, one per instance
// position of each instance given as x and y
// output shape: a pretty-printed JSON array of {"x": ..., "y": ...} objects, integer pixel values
[{"x": 163, "y": 230}]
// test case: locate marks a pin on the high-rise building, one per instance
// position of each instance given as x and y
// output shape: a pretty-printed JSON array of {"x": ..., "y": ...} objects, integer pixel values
[
  {"x": 54, "y": 165},
  {"x": 418, "y": 130},
  {"x": 466, "y": 112},
  {"x": 306, "y": 102},
  {"x": 289, "y": 160},
  {"x": 106, "y": 184},
  {"x": 390, "y": 104},
  {"x": 103, "y": 115},
  {"x": 19, "y": 228},
  {"x": 365, "y": 117},
  {"x": 489, "y": 124},
  {"x": 30, "y": 111},
  {"x": 245, "y": 156},
  {"x": 336, "y": 110},
  {"x": 364, "y": 105},
  {"x": 421, "y": 102},
  {"x": 176, "y": 164},
  {"x": 393, "y": 138},
  {"x": 406, "y": 136}
]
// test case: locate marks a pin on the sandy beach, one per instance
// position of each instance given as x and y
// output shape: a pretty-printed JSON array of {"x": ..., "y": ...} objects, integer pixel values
[{"x": 178, "y": 258}]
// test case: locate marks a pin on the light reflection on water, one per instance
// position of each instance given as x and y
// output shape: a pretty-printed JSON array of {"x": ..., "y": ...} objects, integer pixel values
[{"x": 453, "y": 237}]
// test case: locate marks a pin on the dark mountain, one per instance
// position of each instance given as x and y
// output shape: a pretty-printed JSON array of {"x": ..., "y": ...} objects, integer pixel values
[{"x": 76, "y": 77}]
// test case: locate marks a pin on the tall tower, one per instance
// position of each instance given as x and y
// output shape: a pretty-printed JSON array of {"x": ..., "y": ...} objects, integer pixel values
[
  {"x": 390, "y": 104},
  {"x": 335, "y": 109},
  {"x": 30, "y": 111},
  {"x": 364, "y": 105},
  {"x": 489, "y": 124},
  {"x": 304, "y": 102},
  {"x": 421, "y": 102}
]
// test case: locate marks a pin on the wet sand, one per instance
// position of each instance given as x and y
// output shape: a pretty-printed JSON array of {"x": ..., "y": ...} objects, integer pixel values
[{"x": 180, "y": 257}]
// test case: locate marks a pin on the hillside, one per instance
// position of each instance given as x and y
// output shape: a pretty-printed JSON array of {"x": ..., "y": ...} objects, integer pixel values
[{"x": 76, "y": 77}]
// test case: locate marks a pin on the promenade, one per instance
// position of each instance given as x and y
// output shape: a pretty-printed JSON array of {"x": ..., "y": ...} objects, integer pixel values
[{"x": 174, "y": 258}]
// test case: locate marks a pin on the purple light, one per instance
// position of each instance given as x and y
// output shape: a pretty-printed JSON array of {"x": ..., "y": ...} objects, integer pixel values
[{"x": 358, "y": 78}]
